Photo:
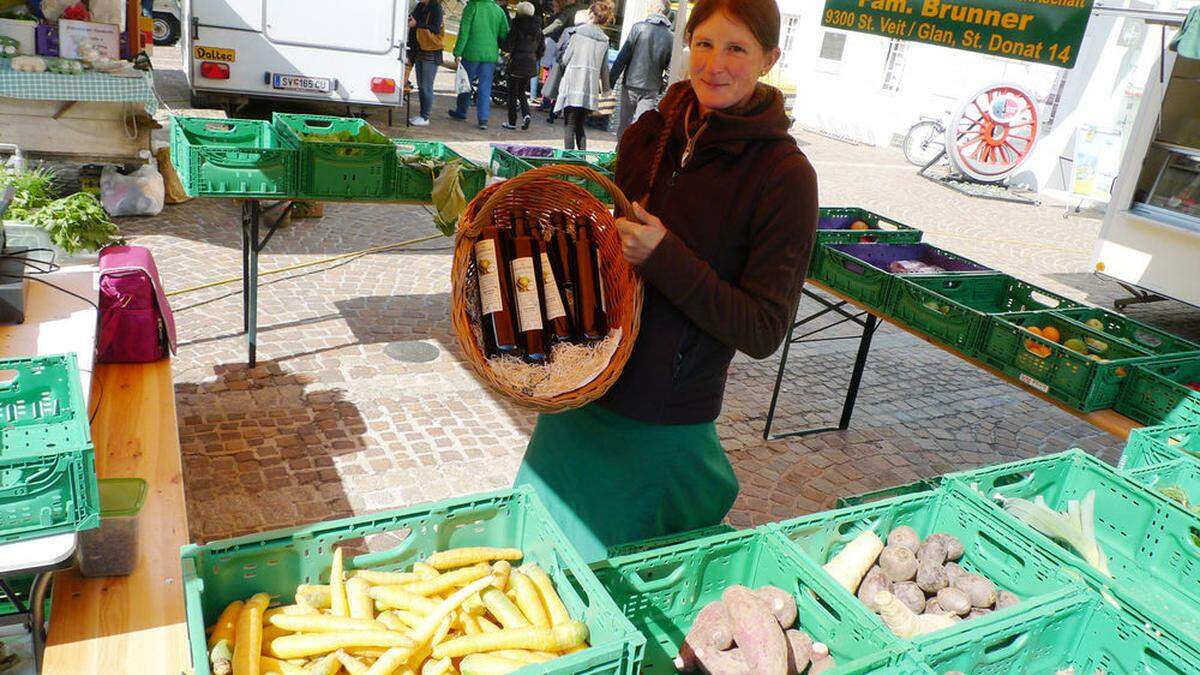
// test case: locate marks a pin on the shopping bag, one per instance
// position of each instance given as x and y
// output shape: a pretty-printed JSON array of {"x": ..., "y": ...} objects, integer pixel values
[{"x": 462, "y": 81}]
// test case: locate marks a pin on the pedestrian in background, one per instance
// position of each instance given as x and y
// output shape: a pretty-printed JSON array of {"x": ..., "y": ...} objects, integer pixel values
[
  {"x": 556, "y": 69},
  {"x": 643, "y": 61},
  {"x": 585, "y": 74},
  {"x": 564, "y": 19},
  {"x": 428, "y": 29},
  {"x": 480, "y": 31},
  {"x": 525, "y": 47}
]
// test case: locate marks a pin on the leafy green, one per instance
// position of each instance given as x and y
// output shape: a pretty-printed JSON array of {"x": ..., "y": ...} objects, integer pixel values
[
  {"x": 365, "y": 134},
  {"x": 1175, "y": 493},
  {"x": 609, "y": 164},
  {"x": 35, "y": 189},
  {"x": 77, "y": 223}
]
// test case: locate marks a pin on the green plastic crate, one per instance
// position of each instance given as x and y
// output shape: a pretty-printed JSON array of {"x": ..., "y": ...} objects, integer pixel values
[
  {"x": 896, "y": 661},
  {"x": 833, "y": 227},
  {"x": 276, "y": 562},
  {"x": 1147, "y": 540},
  {"x": 504, "y": 164},
  {"x": 507, "y": 165},
  {"x": 1078, "y": 630},
  {"x": 1158, "y": 393},
  {"x": 851, "y": 270},
  {"x": 232, "y": 158},
  {"x": 416, "y": 183},
  {"x": 955, "y": 309},
  {"x": 661, "y": 591},
  {"x": 1136, "y": 333},
  {"x": 992, "y": 547},
  {"x": 1075, "y": 378},
  {"x": 1183, "y": 474},
  {"x": 915, "y": 487},
  {"x": 47, "y": 463},
  {"x": 1148, "y": 446},
  {"x": 667, "y": 540},
  {"x": 337, "y": 171}
]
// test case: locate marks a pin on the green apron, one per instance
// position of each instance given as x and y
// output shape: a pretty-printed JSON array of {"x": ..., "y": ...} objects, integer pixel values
[{"x": 609, "y": 479}]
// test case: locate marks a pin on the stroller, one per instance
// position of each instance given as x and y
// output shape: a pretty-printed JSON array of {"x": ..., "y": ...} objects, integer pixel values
[{"x": 500, "y": 81}]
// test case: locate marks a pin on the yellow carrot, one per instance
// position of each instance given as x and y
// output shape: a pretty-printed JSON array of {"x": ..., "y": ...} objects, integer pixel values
[
  {"x": 226, "y": 626},
  {"x": 425, "y": 571},
  {"x": 474, "y": 605},
  {"x": 449, "y": 580},
  {"x": 554, "y": 605},
  {"x": 396, "y": 597},
  {"x": 423, "y": 633},
  {"x": 391, "y": 661},
  {"x": 351, "y": 664},
  {"x": 247, "y": 648},
  {"x": 270, "y": 666},
  {"x": 321, "y": 623},
  {"x": 317, "y": 597},
  {"x": 392, "y": 621},
  {"x": 370, "y": 653},
  {"x": 524, "y": 655},
  {"x": 337, "y": 586},
  {"x": 461, "y": 557},
  {"x": 357, "y": 596},
  {"x": 556, "y": 639},
  {"x": 411, "y": 618},
  {"x": 269, "y": 633},
  {"x": 503, "y": 609},
  {"x": 468, "y": 623},
  {"x": 486, "y": 625},
  {"x": 439, "y": 667},
  {"x": 528, "y": 600},
  {"x": 313, "y": 644},
  {"x": 488, "y": 664},
  {"x": 329, "y": 665},
  {"x": 378, "y": 578},
  {"x": 501, "y": 569},
  {"x": 421, "y": 654}
]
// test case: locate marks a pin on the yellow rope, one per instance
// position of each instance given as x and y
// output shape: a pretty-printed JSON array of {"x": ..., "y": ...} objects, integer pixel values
[{"x": 311, "y": 263}]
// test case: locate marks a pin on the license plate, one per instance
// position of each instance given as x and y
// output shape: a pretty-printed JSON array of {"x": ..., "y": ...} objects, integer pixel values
[
  {"x": 301, "y": 83},
  {"x": 215, "y": 54}
]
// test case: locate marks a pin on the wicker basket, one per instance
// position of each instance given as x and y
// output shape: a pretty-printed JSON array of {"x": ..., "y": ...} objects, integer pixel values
[{"x": 539, "y": 193}]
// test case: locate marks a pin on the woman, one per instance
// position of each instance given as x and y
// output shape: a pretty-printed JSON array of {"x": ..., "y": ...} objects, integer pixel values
[
  {"x": 721, "y": 233},
  {"x": 427, "y": 16},
  {"x": 584, "y": 75},
  {"x": 524, "y": 46}
]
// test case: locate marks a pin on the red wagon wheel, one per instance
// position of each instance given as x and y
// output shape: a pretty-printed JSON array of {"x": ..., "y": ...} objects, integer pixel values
[{"x": 993, "y": 132}]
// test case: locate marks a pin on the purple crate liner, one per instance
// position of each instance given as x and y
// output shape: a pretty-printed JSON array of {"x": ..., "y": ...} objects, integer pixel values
[
  {"x": 836, "y": 222},
  {"x": 525, "y": 150},
  {"x": 883, "y": 255},
  {"x": 47, "y": 39}
]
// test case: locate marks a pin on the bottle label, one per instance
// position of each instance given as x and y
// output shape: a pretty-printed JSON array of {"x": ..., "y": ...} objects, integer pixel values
[
  {"x": 554, "y": 303},
  {"x": 529, "y": 306},
  {"x": 600, "y": 281},
  {"x": 490, "y": 297}
]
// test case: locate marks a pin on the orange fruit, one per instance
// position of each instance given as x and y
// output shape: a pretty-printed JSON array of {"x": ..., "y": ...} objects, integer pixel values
[
  {"x": 1051, "y": 333},
  {"x": 859, "y": 225},
  {"x": 1121, "y": 372},
  {"x": 1034, "y": 329}
]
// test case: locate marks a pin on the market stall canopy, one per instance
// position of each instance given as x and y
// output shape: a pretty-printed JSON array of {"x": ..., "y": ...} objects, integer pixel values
[{"x": 1187, "y": 40}]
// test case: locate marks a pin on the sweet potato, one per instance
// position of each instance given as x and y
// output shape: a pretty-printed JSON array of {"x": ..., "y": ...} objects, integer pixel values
[
  {"x": 872, "y": 584},
  {"x": 782, "y": 604},
  {"x": 931, "y": 576},
  {"x": 711, "y": 630},
  {"x": 799, "y": 646},
  {"x": 732, "y": 662},
  {"x": 932, "y": 551},
  {"x": 977, "y": 612},
  {"x": 904, "y": 537},
  {"x": 822, "y": 660},
  {"x": 982, "y": 592},
  {"x": 954, "y": 600},
  {"x": 952, "y": 544},
  {"x": 756, "y": 631},
  {"x": 909, "y": 593},
  {"x": 898, "y": 563},
  {"x": 1006, "y": 599}
]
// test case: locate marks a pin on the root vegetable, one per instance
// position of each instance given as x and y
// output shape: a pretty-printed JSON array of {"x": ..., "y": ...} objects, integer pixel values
[
  {"x": 952, "y": 544},
  {"x": 932, "y": 607},
  {"x": 488, "y": 664},
  {"x": 981, "y": 591},
  {"x": 782, "y": 604},
  {"x": 439, "y": 667},
  {"x": 462, "y": 557},
  {"x": 1006, "y": 599},
  {"x": 977, "y": 612},
  {"x": 525, "y": 655},
  {"x": 954, "y": 600},
  {"x": 800, "y": 646},
  {"x": 556, "y": 639},
  {"x": 528, "y": 600},
  {"x": 449, "y": 580},
  {"x": 316, "y": 644},
  {"x": 316, "y": 597},
  {"x": 270, "y": 666},
  {"x": 931, "y": 576},
  {"x": 711, "y": 630},
  {"x": 822, "y": 660},
  {"x": 501, "y": 569},
  {"x": 377, "y": 578},
  {"x": 871, "y": 585},
  {"x": 247, "y": 646},
  {"x": 953, "y": 572},
  {"x": 503, "y": 609},
  {"x": 351, "y": 664},
  {"x": 904, "y": 623},
  {"x": 932, "y": 551},
  {"x": 395, "y": 597},
  {"x": 898, "y": 563},
  {"x": 756, "y": 631},
  {"x": 851, "y": 563},
  {"x": 486, "y": 625},
  {"x": 359, "y": 599},
  {"x": 392, "y": 621},
  {"x": 337, "y": 586},
  {"x": 328, "y": 665},
  {"x": 904, "y": 537},
  {"x": 909, "y": 593},
  {"x": 226, "y": 625},
  {"x": 425, "y": 572},
  {"x": 391, "y": 661},
  {"x": 425, "y": 632},
  {"x": 732, "y": 662},
  {"x": 221, "y": 658},
  {"x": 323, "y": 623},
  {"x": 555, "y": 608}
]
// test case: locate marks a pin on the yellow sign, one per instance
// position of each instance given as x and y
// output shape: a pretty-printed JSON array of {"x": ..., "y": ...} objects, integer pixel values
[{"x": 215, "y": 54}]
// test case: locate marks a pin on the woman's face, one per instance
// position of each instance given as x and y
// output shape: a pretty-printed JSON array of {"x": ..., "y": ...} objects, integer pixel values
[{"x": 726, "y": 62}]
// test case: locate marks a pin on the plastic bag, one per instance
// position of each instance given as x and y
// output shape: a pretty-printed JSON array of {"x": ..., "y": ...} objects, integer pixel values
[
  {"x": 462, "y": 81},
  {"x": 140, "y": 193}
]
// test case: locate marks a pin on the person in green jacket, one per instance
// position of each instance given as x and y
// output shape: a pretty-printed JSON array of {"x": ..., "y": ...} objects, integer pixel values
[{"x": 483, "y": 27}]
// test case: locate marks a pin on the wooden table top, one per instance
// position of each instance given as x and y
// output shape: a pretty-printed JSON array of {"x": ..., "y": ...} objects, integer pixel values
[
  {"x": 1107, "y": 420},
  {"x": 131, "y": 624}
]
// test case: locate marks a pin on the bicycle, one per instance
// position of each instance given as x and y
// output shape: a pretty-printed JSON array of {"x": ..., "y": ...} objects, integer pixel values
[{"x": 925, "y": 141}]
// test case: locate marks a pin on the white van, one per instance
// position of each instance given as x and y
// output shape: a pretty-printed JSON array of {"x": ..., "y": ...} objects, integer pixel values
[{"x": 348, "y": 52}]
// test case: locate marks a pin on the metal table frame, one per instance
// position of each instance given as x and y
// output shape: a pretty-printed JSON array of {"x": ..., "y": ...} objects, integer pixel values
[{"x": 254, "y": 215}]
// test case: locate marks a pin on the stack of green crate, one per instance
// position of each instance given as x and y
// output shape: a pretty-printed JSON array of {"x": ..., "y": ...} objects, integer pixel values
[
  {"x": 47, "y": 462},
  {"x": 338, "y": 158},
  {"x": 505, "y": 164},
  {"x": 415, "y": 183},
  {"x": 1166, "y": 392},
  {"x": 835, "y": 226},
  {"x": 1148, "y": 446},
  {"x": 231, "y": 158},
  {"x": 220, "y": 572}
]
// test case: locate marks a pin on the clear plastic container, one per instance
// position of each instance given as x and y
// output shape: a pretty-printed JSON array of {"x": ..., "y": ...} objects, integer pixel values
[{"x": 111, "y": 550}]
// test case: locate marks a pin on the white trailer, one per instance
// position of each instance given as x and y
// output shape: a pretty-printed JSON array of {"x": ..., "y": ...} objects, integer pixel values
[{"x": 313, "y": 50}]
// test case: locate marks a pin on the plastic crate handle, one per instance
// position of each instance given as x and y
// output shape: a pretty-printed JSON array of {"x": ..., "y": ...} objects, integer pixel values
[
  {"x": 8, "y": 378},
  {"x": 999, "y": 652},
  {"x": 1043, "y": 299},
  {"x": 642, "y": 586},
  {"x": 244, "y": 159},
  {"x": 224, "y": 128},
  {"x": 853, "y": 267}
]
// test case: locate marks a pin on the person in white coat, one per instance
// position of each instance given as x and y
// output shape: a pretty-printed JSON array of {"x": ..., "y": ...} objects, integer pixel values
[{"x": 585, "y": 74}]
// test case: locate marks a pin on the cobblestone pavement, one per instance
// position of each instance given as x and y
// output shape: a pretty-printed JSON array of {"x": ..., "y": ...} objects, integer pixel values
[{"x": 330, "y": 424}]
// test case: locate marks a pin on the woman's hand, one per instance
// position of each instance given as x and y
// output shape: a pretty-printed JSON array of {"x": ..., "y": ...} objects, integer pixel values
[{"x": 640, "y": 237}]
